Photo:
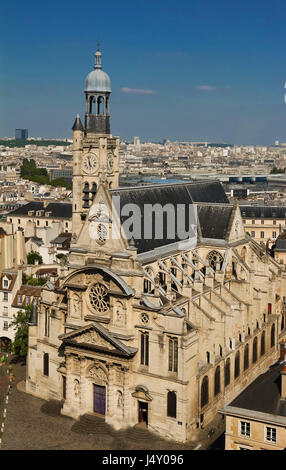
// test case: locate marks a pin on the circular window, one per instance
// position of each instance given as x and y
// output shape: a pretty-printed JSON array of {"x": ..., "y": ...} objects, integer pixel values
[
  {"x": 144, "y": 318},
  {"x": 99, "y": 298}
]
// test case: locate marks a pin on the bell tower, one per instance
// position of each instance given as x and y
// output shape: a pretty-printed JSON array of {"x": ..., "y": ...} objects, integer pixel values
[{"x": 95, "y": 150}]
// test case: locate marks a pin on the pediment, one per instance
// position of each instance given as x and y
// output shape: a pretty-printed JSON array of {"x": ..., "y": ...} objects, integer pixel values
[
  {"x": 96, "y": 337},
  {"x": 101, "y": 231}
]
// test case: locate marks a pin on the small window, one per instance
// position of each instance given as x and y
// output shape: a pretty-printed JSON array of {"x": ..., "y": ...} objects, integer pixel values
[
  {"x": 253, "y": 222},
  {"x": 274, "y": 222},
  {"x": 244, "y": 428},
  {"x": 270, "y": 434},
  {"x": 172, "y": 404},
  {"x": 5, "y": 296},
  {"x": 261, "y": 234},
  {"x": 253, "y": 234},
  {"x": 5, "y": 283},
  {"x": 262, "y": 222},
  {"x": 46, "y": 364},
  {"x": 5, "y": 326},
  {"x": 273, "y": 234}
]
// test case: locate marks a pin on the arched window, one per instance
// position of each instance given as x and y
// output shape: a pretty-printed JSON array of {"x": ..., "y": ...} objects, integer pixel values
[
  {"x": 174, "y": 285},
  {"x": 272, "y": 336},
  {"x": 246, "y": 357},
  {"x": 85, "y": 196},
  {"x": 215, "y": 260},
  {"x": 254, "y": 350},
  {"x": 227, "y": 373},
  {"x": 237, "y": 365},
  {"x": 148, "y": 286},
  {"x": 262, "y": 344},
  {"x": 172, "y": 404},
  {"x": 100, "y": 105},
  {"x": 205, "y": 391},
  {"x": 217, "y": 381}
]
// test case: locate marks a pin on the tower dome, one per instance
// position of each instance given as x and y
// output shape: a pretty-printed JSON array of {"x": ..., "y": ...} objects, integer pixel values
[
  {"x": 97, "y": 80},
  {"x": 97, "y": 95}
]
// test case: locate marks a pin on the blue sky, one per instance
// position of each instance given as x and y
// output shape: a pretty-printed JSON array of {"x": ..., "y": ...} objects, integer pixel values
[{"x": 188, "y": 70}]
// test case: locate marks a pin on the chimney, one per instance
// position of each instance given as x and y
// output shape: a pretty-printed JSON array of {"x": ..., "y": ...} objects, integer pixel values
[{"x": 283, "y": 383}]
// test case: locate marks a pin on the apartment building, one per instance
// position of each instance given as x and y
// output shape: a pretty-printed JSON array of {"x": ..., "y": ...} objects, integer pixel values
[
  {"x": 256, "y": 419},
  {"x": 264, "y": 223}
]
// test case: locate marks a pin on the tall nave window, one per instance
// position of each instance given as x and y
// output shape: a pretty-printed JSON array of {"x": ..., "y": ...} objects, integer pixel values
[
  {"x": 144, "y": 342},
  {"x": 173, "y": 354}
]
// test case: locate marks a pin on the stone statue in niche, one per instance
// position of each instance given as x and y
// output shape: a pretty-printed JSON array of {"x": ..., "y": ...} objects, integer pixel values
[
  {"x": 76, "y": 306},
  {"x": 120, "y": 316},
  {"x": 76, "y": 388},
  {"x": 119, "y": 399}
]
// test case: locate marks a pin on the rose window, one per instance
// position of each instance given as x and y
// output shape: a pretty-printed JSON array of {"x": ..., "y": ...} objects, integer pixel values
[{"x": 99, "y": 298}]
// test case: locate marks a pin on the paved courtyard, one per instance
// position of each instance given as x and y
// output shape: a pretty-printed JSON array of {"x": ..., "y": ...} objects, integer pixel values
[{"x": 34, "y": 424}]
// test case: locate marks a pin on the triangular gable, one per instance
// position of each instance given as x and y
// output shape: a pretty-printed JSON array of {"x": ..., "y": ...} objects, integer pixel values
[
  {"x": 102, "y": 228},
  {"x": 95, "y": 336},
  {"x": 236, "y": 228}
]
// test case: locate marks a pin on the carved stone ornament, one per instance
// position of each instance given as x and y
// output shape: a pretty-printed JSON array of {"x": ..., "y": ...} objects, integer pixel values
[
  {"x": 98, "y": 374},
  {"x": 91, "y": 337}
]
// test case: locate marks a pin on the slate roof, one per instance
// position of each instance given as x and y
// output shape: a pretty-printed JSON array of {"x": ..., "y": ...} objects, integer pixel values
[
  {"x": 263, "y": 212},
  {"x": 58, "y": 210},
  {"x": 178, "y": 193},
  {"x": 214, "y": 220},
  {"x": 280, "y": 245},
  {"x": 263, "y": 395}
]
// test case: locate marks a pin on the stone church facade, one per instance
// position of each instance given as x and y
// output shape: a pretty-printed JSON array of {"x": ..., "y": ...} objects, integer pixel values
[{"x": 153, "y": 332}]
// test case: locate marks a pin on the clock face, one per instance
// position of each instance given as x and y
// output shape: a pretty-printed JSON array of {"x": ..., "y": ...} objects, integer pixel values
[
  {"x": 110, "y": 162},
  {"x": 90, "y": 163}
]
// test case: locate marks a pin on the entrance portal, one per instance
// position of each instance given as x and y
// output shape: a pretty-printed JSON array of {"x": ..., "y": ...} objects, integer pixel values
[
  {"x": 99, "y": 398},
  {"x": 4, "y": 344},
  {"x": 143, "y": 412}
]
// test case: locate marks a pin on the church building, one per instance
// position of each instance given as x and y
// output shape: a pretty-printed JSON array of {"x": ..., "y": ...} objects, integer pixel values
[{"x": 152, "y": 331}]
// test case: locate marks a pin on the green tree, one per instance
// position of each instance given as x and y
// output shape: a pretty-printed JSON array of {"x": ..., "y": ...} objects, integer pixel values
[
  {"x": 33, "y": 281},
  {"x": 20, "y": 344},
  {"x": 34, "y": 256}
]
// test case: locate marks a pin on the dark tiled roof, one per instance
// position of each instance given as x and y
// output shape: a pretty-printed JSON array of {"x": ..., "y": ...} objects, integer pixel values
[
  {"x": 58, "y": 210},
  {"x": 280, "y": 244},
  {"x": 179, "y": 193},
  {"x": 214, "y": 220},
  {"x": 263, "y": 394},
  {"x": 263, "y": 212}
]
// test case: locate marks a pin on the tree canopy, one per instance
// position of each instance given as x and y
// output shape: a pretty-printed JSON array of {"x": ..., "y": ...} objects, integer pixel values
[{"x": 20, "y": 344}]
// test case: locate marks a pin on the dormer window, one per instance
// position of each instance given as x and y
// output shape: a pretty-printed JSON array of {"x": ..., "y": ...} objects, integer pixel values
[
  {"x": 19, "y": 299},
  {"x": 5, "y": 283}
]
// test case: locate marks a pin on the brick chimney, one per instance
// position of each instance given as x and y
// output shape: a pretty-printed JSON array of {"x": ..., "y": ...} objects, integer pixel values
[{"x": 283, "y": 383}]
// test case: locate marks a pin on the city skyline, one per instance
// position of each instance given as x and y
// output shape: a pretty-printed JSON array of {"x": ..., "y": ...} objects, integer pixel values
[{"x": 178, "y": 71}]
